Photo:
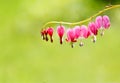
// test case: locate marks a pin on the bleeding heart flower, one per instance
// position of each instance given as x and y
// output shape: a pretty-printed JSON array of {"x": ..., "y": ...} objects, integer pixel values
[
  {"x": 84, "y": 32},
  {"x": 94, "y": 30},
  {"x": 50, "y": 33},
  {"x": 60, "y": 32},
  {"x": 44, "y": 34},
  {"x": 77, "y": 31},
  {"x": 71, "y": 37},
  {"x": 106, "y": 22},
  {"x": 102, "y": 23},
  {"x": 98, "y": 22}
]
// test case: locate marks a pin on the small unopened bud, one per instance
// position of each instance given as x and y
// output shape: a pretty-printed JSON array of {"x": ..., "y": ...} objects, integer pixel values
[{"x": 60, "y": 32}]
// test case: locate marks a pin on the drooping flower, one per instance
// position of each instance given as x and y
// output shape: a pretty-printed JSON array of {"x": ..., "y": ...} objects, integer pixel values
[
  {"x": 50, "y": 33},
  {"x": 106, "y": 22},
  {"x": 77, "y": 31},
  {"x": 84, "y": 33},
  {"x": 71, "y": 37},
  {"x": 98, "y": 22},
  {"x": 44, "y": 34},
  {"x": 102, "y": 23},
  {"x": 60, "y": 32},
  {"x": 93, "y": 29}
]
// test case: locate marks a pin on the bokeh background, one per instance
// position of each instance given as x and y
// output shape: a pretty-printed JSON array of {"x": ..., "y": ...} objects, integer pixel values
[{"x": 26, "y": 58}]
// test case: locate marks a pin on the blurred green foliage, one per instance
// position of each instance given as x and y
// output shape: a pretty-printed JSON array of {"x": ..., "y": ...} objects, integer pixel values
[{"x": 25, "y": 58}]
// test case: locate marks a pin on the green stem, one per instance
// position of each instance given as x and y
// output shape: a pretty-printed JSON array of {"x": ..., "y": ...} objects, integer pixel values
[{"x": 83, "y": 21}]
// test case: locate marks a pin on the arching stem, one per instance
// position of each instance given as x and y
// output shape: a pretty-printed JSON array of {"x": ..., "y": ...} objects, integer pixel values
[{"x": 83, "y": 21}]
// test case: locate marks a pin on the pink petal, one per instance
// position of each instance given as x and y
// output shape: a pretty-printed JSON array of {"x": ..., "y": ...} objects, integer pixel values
[
  {"x": 98, "y": 21},
  {"x": 84, "y": 31},
  {"x": 60, "y": 30},
  {"x": 77, "y": 31},
  {"x": 106, "y": 22},
  {"x": 93, "y": 28},
  {"x": 70, "y": 35},
  {"x": 50, "y": 31}
]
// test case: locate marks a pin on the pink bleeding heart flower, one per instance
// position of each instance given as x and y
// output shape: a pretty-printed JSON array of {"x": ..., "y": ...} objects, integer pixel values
[
  {"x": 98, "y": 22},
  {"x": 93, "y": 29},
  {"x": 84, "y": 32},
  {"x": 60, "y": 32},
  {"x": 50, "y": 33},
  {"x": 102, "y": 23},
  {"x": 106, "y": 22},
  {"x": 44, "y": 34},
  {"x": 71, "y": 37},
  {"x": 77, "y": 31}
]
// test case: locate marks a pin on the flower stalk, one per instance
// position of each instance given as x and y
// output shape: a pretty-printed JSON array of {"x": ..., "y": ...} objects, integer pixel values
[
  {"x": 76, "y": 33},
  {"x": 83, "y": 21}
]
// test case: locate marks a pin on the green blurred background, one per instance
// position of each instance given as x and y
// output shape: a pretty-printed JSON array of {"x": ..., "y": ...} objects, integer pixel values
[{"x": 26, "y": 58}]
